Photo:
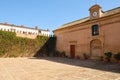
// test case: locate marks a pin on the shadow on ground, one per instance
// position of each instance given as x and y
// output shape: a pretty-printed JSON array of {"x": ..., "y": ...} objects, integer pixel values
[
  {"x": 99, "y": 65},
  {"x": 48, "y": 48}
]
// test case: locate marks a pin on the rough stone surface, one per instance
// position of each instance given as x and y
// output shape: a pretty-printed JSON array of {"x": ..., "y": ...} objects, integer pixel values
[{"x": 49, "y": 68}]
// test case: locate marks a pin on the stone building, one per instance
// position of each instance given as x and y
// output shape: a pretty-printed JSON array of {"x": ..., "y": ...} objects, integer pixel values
[
  {"x": 23, "y": 31},
  {"x": 93, "y": 35}
]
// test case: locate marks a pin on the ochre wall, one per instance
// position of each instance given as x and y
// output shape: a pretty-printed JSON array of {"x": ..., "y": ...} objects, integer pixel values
[
  {"x": 111, "y": 37},
  {"x": 31, "y": 36},
  {"x": 81, "y": 36}
]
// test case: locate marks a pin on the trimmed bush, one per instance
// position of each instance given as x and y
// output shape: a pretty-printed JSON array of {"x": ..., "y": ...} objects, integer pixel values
[
  {"x": 57, "y": 53},
  {"x": 12, "y": 46},
  {"x": 63, "y": 54},
  {"x": 108, "y": 54},
  {"x": 117, "y": 56},
  {"x": 85, "y": 56}
]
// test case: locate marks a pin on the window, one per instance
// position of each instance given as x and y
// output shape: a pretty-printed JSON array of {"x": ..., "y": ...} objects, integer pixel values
[
  {"x": 20, "y": 31},
  {"x": 17, "y": 31},
  {"x": 24, "y": 32},
  {"x": 29, "y": 32},
  {"x": 95, "y": 30}
]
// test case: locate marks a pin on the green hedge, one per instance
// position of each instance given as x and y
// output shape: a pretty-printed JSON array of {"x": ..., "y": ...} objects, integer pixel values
[{"x": 12, "y": 46}]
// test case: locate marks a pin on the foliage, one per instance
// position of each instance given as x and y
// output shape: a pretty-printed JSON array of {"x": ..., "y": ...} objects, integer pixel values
[
  {"x": 117, "y": 56},
  {"x": 108, "y": 54},
  {"x": 85, "y": 56},
  {"x": 59, "y": 54},
  {"x": 12, "y": 46},
  {"x": 63, "y": 54}
]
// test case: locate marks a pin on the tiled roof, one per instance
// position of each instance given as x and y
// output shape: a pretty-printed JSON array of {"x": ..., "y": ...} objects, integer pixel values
[
  {"x": 74, "y": 22},
  {"x": 111, "y": 12},
  {"x": 105, "y": 14},
  {"x": 22, "y": 26}
]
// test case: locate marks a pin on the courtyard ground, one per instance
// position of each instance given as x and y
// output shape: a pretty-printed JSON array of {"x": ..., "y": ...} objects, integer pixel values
[{"x": 50, "y": 68}]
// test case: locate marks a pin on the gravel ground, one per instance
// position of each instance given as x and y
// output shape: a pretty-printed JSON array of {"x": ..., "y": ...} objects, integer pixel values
[{"x": 50, "y": 68}]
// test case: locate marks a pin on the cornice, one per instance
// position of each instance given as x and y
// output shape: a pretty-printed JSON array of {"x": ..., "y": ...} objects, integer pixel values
[{"x": 94, "y": 21}]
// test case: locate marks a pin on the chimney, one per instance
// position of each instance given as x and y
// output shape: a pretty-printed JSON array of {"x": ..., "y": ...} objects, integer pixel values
[
  {"x": 6, "y": 23},
  {"x": 48, "y": 30},
  {"x": 22, "y": 26},
  {"x": 12, "y": 24},
  {"x": 36, "y": 27}
]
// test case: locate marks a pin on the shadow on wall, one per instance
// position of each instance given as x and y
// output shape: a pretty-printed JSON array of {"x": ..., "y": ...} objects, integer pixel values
[{"x": 48, "y": 48}]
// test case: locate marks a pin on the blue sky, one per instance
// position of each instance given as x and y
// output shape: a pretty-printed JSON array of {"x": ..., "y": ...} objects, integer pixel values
[{"x": 48, "y": 14}]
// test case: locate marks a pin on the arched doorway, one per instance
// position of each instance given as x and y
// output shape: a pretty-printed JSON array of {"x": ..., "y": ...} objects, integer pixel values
[{"x": 96, "y": 49}]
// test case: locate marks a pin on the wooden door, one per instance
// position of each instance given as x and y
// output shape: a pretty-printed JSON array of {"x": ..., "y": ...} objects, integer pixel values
[
  {"x": 96, "y": 48},
  {"x": 72, "y": 51}
]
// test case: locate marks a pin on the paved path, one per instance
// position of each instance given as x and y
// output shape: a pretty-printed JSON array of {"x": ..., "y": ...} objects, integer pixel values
[{"x": 57, "y": 69}]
